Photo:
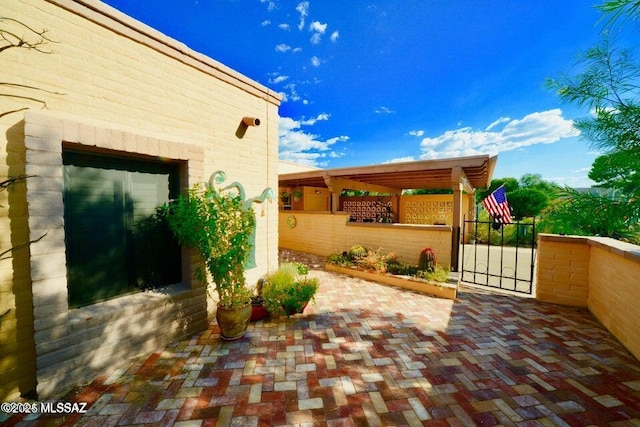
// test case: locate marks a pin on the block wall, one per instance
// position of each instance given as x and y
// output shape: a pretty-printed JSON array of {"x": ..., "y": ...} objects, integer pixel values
[
  {"x": 405, "y": 240},
  {"x": 601, "y": 274},
  {"x": 432, "y": 208},
  {"x": 320, "y": 233},
  {"x": 149, "y": 95},
  {"x": 324, "y": 233},
  {"x": 614, "y": 291},
  {"x": 562, "y": 270}
]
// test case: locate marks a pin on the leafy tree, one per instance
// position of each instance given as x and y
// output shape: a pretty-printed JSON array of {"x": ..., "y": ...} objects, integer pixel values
[
  {"x": 609, "y": 86},
  {"x": 510, "y": 184},
  {"x": 620, "y": 11},
  {"x": 535, "y": 181},
  {"x": 527, "y": 196},
  {"x": 527, "y": 202},
  {"x": 429, "y": 191},
  {"x": 619, "y": 169},
  {"x": 593, "y": 214}
]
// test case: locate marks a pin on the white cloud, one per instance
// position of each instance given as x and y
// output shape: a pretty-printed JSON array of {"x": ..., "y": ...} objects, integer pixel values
[
  {"x": 285, "y": 27},
  {"x": 544, "y": 127},
  {"x": 293, "y": 94},
  {"x": 419, "y": 132},
  {"x": 582, "y": 170},
  {"x": 315, "y": 61},
  {"x": 384, "y": 110},
  {"x": 283, "y": 47},
  {"x": 401, "y": 160},
  {"x": 300, "y": 146},
  {"x": 303, "y": 9},
  {"x": 312, "y": 121},
  {"x": 335, "y": 36},
  {"x": 318, "y": 29},
  {"x": 271, "y": 5},
  {"x": 275, "y": 78},
  {"x": 498, "y": 122},
  {"x": 266, "y": 23}
]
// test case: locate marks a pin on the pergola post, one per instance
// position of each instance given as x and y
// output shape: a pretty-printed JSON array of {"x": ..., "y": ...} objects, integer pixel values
[
  {"x": 456, "y": 226},
  {"x": 459, "y": 183},
  {"x": 334, "y": 187}
]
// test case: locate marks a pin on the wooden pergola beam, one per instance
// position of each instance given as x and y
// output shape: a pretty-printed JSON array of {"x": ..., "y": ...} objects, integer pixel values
[
  {"x": 337, "y": 185},
  {"x": 340, "y": 184}
]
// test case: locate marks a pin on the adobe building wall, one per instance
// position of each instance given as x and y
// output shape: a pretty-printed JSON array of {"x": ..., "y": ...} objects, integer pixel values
[
  {"x": 113, "y": 85},
  {"x": 601, "y": 274}
]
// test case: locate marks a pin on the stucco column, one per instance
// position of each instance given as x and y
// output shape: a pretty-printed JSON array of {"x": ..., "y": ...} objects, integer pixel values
[{"x": 457, "y": 225}]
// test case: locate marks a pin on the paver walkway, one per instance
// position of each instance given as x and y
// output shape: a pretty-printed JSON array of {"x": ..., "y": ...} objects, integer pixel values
[{"x": 367, "y": 354}]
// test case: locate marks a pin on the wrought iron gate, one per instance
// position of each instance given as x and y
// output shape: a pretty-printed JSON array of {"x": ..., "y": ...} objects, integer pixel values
[{"x": 499, "y": 256}]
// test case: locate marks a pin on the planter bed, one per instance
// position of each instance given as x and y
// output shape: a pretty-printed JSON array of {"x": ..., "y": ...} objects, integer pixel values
[{"x": 446, "y": 290}]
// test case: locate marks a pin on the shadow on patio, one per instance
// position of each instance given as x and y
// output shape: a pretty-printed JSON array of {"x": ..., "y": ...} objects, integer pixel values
[{"x": 367, "y": 354}]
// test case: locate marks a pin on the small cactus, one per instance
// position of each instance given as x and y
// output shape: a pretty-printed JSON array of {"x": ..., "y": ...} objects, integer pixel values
[
  {"x": 427, "y": 260},
  {"x": 357, "y": 252}
]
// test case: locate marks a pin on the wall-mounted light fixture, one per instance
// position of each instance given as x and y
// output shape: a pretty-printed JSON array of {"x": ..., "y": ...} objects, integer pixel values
[{"x": 251, "y": 121}]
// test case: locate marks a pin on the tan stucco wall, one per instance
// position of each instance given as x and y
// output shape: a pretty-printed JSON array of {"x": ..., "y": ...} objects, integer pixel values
[
  {"x": 601, "y": 274},
  {"x": 323, "y": 233},
  {"x": 120, "y": 86},
  {"x": 320, "y": 233},
  {"x": 614, "y": 291},
  {"x": 562, "y": 270}
]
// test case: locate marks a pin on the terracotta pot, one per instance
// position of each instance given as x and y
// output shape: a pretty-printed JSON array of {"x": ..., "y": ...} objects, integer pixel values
[
  {"x": 233, "y": 321},
  {"x": 258, "y": 312}
]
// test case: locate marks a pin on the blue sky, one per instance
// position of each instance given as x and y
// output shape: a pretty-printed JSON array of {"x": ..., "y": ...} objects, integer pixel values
[{"x": 368, "y": 82}]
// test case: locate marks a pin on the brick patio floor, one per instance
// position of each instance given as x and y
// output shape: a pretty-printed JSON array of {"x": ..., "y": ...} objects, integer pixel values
[{"x": 367, "y": 354}]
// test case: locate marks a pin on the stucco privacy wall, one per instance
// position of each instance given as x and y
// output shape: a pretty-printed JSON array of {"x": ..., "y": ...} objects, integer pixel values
[
  {"x": 601, "y": 274},
  {"x": 324, "y": 233},
  {"x": 115, "y": 85}
]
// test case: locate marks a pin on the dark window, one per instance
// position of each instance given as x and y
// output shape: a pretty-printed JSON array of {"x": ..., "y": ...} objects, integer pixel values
[{"x": 117, "y": 242}]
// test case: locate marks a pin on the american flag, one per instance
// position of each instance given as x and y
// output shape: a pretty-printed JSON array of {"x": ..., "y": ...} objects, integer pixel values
[{"x": 497, "y": 206}]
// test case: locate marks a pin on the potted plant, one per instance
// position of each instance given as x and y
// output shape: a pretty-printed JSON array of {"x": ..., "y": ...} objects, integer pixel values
[
  {"x": 288, "y": 290},
  {"x": 297, "y": 194},
  {"x": 219, "y": 225},
  {"x": 258, "y": 310}
]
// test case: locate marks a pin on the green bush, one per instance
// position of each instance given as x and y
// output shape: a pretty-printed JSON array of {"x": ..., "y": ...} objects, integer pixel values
[
  {"x": 402, "y": 269},
  {"x": 288, "y": 289},
  {"x": 342, "y": 260},
  {"x": 439, "y": 274},
  {"x": 219, "y": 227},
  {"x": 611, "y": 214},
  {"x": 357, "y": 252},
  {"x": 508, "y": 235}
]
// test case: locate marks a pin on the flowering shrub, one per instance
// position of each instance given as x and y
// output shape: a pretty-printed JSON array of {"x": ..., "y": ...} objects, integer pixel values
[{"x": 378, "y": 261}]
